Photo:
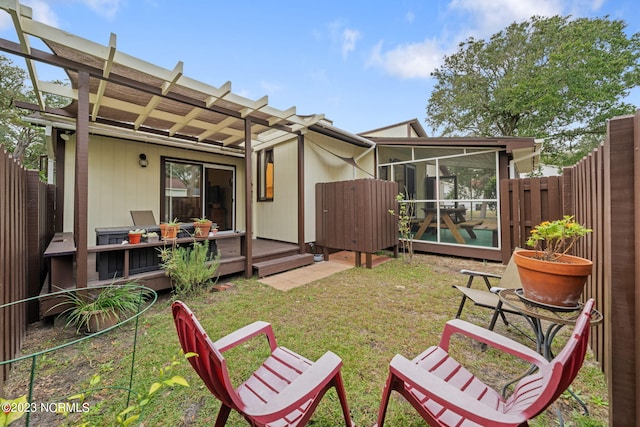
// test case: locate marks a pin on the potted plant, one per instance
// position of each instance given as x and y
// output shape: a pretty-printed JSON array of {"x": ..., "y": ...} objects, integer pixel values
[
  {"x": 136, "y": 235},
  {"x": 201, "y": 226},
  {"x": 169, "y": 230},
  {"x": 152, "y": 237},
  {"x": 97, "y": 310},
  {"x": 548, "y": 274}
]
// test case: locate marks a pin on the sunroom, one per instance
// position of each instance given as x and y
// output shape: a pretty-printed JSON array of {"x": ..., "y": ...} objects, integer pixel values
[{"x": 452, "y": 186}]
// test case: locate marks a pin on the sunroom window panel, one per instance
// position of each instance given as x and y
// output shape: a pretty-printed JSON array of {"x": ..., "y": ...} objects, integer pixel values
[{"x": 455, "y": 192}]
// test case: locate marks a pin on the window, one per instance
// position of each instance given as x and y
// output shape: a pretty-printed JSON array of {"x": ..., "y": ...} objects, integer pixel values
[
  {"x": 265, "y": 175},
  {"x": 182, "y": 191},
  {"x": 455, "y": 189}
]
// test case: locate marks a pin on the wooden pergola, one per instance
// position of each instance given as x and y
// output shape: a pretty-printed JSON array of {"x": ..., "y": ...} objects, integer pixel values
[{"x": 117, "y": 94}]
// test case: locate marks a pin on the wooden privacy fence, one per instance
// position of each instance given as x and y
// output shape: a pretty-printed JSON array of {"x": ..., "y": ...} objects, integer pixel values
[
  {"x": 602, "y": 191},
  {"x": 26, "y": 225}
]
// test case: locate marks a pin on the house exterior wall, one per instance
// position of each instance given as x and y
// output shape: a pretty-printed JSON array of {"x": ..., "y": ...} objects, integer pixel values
[
  {"x": 118, "y": 184},
  {"x": 322, "y": 166},
  {"x": 278, "y": 219},
  {"x": 404, "y": 130}
]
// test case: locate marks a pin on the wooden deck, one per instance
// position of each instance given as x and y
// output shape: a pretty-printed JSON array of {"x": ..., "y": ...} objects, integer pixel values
[
  {"x": 231, "y": 260},
  {"x": 264, "y": 253}
]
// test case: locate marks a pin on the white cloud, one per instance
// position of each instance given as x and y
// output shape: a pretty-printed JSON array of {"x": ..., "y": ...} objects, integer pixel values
[
  {"x": 107, "y": 8},
  {"x": 42, "y": 12},
  {"x": 465, "y": 18},
  {"x": 490, "y": 16},
  {"x": 415, "y": 60},
  {"x": 345, "y": 37},
  {"x": 410, "y": 17},
  {"x": 349, "y": 39}
]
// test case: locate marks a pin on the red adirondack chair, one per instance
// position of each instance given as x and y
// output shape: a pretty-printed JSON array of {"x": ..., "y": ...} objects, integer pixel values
[
  {"x": 446, "y": 394},
  {"x": 284, "y": 391}
]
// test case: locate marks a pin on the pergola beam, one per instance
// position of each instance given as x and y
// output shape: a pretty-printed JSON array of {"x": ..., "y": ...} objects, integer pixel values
[
  {"x": 17, "y": 14},
  {"x": 108, "y": 63}
]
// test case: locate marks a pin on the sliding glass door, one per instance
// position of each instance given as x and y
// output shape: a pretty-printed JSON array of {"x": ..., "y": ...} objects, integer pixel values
[{"x": 195, "y": 190}]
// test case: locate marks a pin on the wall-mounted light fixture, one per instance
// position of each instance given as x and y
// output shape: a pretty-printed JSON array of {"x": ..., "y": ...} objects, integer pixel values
[{"x": 143, "y": 160}]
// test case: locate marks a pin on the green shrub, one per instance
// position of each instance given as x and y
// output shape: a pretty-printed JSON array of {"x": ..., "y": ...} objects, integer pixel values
[{"x": 190, "y": 268}]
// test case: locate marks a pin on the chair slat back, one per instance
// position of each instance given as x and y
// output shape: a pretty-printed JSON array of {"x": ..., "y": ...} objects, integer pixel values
[
  {"x": 536, "y": 392},
  {"x": 209, "y": 364},
  {"x": 510, "y": 277},
  {"x": 572, "y": 355}
]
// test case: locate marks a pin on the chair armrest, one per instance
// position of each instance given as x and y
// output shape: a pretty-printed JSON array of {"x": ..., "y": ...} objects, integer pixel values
[
  {"x": 480, "y": 274},
  {"x": 457, "y": 326},
  {"x": 302, "y": 389},
  {"x": 246, "y": 333},
  {"x": 450, "y": 397}
]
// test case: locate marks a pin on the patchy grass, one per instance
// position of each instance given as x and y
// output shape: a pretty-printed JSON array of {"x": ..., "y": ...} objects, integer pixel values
[{"x": 364, "y": 316}]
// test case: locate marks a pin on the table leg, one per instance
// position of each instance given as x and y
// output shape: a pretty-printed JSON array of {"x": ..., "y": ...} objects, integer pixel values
[
  {"x": 424, "y": 225},
  {"x": 454, "y": 229}
]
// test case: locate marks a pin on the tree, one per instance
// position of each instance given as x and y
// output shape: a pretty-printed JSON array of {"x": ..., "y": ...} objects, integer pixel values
[
  {"x": 25, "y": 141},
  {"x": 553, "y": 78}
]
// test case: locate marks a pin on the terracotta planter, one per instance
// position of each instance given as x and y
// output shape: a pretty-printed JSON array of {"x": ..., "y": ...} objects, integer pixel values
[
  {"x": 553, "y": 283},
  {"x": 169, "y": 231},
  {"x": 202, "y": 228},
  {"x": 101, "y": 320},
  {"x": 134, "y": 238}
]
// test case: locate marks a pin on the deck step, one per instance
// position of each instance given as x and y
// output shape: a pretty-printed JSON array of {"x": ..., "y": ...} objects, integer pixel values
[{"x": 267, "y": 268}]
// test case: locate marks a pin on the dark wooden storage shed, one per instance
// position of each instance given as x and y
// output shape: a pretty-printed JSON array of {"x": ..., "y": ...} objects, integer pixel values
[{"x": 354, "y": 215}]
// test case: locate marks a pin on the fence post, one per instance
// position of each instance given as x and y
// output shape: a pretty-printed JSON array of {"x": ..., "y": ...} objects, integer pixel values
[{"x": 620, "y": 278}]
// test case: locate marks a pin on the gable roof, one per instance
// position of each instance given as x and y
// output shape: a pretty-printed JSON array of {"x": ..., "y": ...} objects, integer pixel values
[{"x": 408, "y": 129}]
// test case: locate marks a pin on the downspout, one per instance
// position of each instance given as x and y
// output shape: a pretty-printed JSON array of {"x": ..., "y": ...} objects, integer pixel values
[
  {"x": 367, "y": 151},
  {"x": 512, "y": 163}
]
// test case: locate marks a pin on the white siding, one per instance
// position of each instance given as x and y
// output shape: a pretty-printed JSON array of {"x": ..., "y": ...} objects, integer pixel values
[
  {"x": 322, "y": 166},
  {"x": 118, "y": 184},
  {"x": 278, "y": 219}
]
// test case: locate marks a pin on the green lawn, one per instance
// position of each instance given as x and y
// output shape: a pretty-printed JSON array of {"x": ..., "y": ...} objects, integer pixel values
[{"x": 364, "y": 316}]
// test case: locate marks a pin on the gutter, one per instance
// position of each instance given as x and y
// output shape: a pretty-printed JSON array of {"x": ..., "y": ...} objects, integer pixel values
[{"x": 337, "y": 133}]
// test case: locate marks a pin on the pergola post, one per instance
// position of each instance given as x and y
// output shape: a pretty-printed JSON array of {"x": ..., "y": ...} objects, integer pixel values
[
  {"x": 248, "y": 206},
  {"x": 301, "y": 242},
  {"x": 81, "y": 180}
]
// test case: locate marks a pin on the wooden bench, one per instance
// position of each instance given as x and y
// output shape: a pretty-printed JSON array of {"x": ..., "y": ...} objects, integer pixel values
[
  {"x": 469, "y": 225},
  {"x": 266, "y": 268},
  {"x": 61, "y": 254}
]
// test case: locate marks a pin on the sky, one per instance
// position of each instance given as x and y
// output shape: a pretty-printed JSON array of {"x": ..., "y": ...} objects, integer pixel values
[{"x": 363, "y": 64}]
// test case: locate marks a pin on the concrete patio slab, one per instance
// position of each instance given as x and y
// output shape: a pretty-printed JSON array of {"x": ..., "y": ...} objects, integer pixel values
[{"x": 301, "y": 276}]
